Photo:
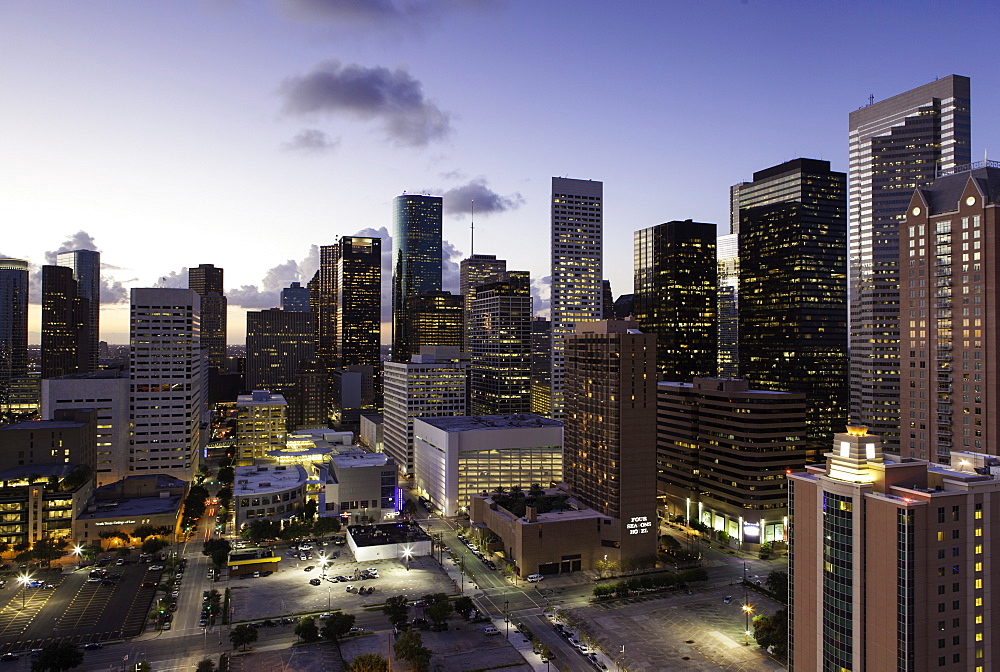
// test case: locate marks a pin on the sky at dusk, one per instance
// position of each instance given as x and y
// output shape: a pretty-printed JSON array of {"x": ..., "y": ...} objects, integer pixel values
[{"x": 246, "y": 133}]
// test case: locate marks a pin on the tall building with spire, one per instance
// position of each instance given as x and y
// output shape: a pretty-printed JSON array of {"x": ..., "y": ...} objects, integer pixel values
[
  {"x": 86, "y": 265},
  {"x": 896, "y": 145},
  {"x": 416, "y": 259},
  {"x": 206, "y": 281},
  {"x": 577, "y": 268}
]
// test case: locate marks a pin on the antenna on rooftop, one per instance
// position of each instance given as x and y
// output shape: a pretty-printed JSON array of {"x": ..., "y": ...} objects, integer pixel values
[
  {"x": 472, "y": 228},
  {"x": 871, "y": 98}
]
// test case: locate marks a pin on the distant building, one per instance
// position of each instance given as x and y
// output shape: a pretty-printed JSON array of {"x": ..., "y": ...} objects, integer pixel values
[
  {"x": 359, "y": 487},
  {"x": 86, "y": 267},
  {"x": 895, "y": 556},
  {"x": 728, "y": 263},
  {"x": 577, "y": 268},
  {"x": 456, "y": 457},
  {"x": 723, "y": 450},
  {"x": 13, "y": 327},
  {"x": 295, "y": 298},
  {"x": 541, "y": 366},
  {"x": 389, "y": 541},
  {"x": 676, "y": 290},
  {"x": 261, "y": 424},
  {"x": 474, "y": 271},
  {"x": 370, "y": 435},
  {"x": 416, "y": 261},
  {"x": 624, "y": 307},
  {"x": 65, "y": 324},
  {"x": 433, "y": 319},
  {"x": 272, "y": 492},
  {"x": 499, "y": 340},
  {"x": 278, "y": 342},
  {"x": 206, "y": 281},
  {"x": 69, "y": 438},
  {"x": 434, "y": 383}
]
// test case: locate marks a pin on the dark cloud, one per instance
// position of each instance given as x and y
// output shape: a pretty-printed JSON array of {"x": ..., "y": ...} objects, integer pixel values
[
  {"x": 378, "y": 12},
  {"x": 393, "y": 98},
  {"x": 115, "y": 291},
  {"x": 312, "y": 141},
  {"x": 451, "y": 256},
  {"x": 458, "y": 200},
  {"x": 540, "y": 293}
]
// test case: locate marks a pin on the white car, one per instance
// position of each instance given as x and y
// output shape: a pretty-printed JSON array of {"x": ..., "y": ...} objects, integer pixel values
[
  {"x": 534, "y": 578},
  {"x": 156, "y": 568},
  {"x": 490, "y": 630}
]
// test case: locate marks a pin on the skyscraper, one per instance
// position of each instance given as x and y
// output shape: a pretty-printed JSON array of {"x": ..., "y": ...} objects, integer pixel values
[
  {"x": 416, "y": 259},
  {"x": 13, "y": 326},
  {"x": 279, "y": 342},
  {"x": 86, "y": 265},
  {"x": 206, "y": 281},
  {"x": 65, "y": 324},
  {"x": 793, "y": 290},
  {"x": 541, "y": 366},
  {"x": 168, "y": 371},
  {"x": 728, "y": 262},
  {"x": 948, "y": 336},
  {"x": 433, "y": 319},
  {"x": 358, "y": 300},
  {"x": 609, "y": 444},
  {"x": 577, "y": 267},
  {"x": 676, "y": 290},
  {"x": 891, "y": 561},
  {"x": 500, "y": 344},
  {"x": 295, "y": 297},
  {"x": 896, "y": 145},
  {"x": 475, "y": 271}
]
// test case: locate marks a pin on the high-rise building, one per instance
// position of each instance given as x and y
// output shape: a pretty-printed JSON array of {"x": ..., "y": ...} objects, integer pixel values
[
  {"x": 793, "y": 290},
  {"x": 65, "y": 324},
  {"x": 891, "y": 561},
  {"x": 607, "y": 301},
  {"x": 499, "y": 340},
  {"x": 206, "y": 281},
  {"x": 609, "y": 448},
  {"x": 169, "y": 373},
  {"x": 728, "y": 262},
  {"x": 278, "y": 343},
  {"x": 261, "y": 425},
  {"x": 434, "y": 383},
  {"x": 13, "y": 327},
  {"x": 306, "y": 401},
  {"x": 86, "y": 265},
  {"x": 472, "y": 272},
  {"x": 295, "y": 297},
  {"x": 358, "y": 299},
  {"x": 433, "y": 319},
  {"x": 416, "y": 260},
  {"x": 541, "y": 366},
  {"x": 896, "y": 145},
  {"x": 676, "y": 290},
  {"x": 577, "y": 267},
  {"x": 723, "y": 451},
  {"x": 106, "y": 392},
  {"x": 950, "y": 283}
]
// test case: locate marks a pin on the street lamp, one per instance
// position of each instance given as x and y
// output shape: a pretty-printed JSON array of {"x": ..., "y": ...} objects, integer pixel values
[
  {"x": 78, "y": 552},
  {"x": 407, "y": 552},
  {"x": 322, "y": 565},
  {"x": 23, "y": 579},
  {"x": 747, "y": 610},
  {"x": 506, "y": 616}
]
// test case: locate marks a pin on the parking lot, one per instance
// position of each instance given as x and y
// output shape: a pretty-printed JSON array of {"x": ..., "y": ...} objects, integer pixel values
[{"x": 74, "y": 609}]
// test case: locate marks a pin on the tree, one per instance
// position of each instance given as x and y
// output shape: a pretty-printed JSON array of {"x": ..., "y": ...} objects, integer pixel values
[
  {"x": 337, "y": 625},
  {"x": 144, "y": 531},
  {"x": 410, "y": 647},
  {"x": 395, "y": 609},
  {"x": 294, "y": 530},
  {"x": 326, "y": 525},
  {"x": 45, "y": 551},
  {"x": 777, "y": 583},
  {"x": 218, "y": 550},
  {"x": 606, "y": 567},
  {"x": 409, "y": 508},
  {"x": 464, "y": 605},
  {"x": 242, "y": 635},
  {"x": 194, "y": 503},
  {"x": 536, "y": 490},
  {"x": 690, "y": 575},
  {"x": 369, "y": 662},
  {"x": 439, "y": 611},
  {"x": 154, "y": 545},
  {"x": 205, "y": 665},
  {"x": 670, "y": 543},
  {"x": 307, "y": 630},
  {"x": 143, "y": 666},
  {"x": 227, "y": 475},
  {"x": 771, "y": 632},
  {"x": 58, "y": 657},
  {"x": 309, "y": 509},
  {"x": 260, "y": 530}
]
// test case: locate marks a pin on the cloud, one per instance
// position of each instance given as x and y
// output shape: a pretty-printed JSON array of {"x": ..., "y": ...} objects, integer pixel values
[
  {"x": 268, "y": 294},
  {"x": 81, "y": 240},
  {"x": 540, "y": 292},
  {"x": 393, "y": 98},
  {"x": 115, "y": 291},
  {"x": 377, "y": 12},
  {"x": 459, "y": 200},
  {"x": 312, "y": 141},
  {"x": 174, "y": 279},
  {"x": 450, "y": 269},
  {"x": 250, "y": 296},
  {"x": 383, "y": 233}
]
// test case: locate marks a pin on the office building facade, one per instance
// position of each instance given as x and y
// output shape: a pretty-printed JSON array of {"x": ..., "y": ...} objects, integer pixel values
[
  {"x": 261, "y": 425},
  {"x": 793, "y": 290},
  {"x": 65, "y": 324},
  {"x": 577, "y": 268},
  {"x": 499, "y": 340},
  {"x": 891, "y": 561},
  {"x": 206, "y": 281},
  {"x": 433, "y": 319},
  {"x": 278, "y": 342},
  {"x": 948, "y": 320},
  {"x": 86, "y": 266},
  {"x": 896, "y": 145},
  {"x": 541, "y": 366},
  {"x": 416, "y": 260},
  {"x": 168, "y": 374},
  {"x": 728, "y": 262},
  {"x": 473, "y": 272},
  {"x": 295, "y": 297},
  {"x": 13, "y": 329},
  {"x": 676, "y": 290}
]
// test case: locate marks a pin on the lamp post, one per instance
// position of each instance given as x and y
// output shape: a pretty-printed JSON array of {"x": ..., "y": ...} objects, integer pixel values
[
  {"x": 506, "y": 616},
  {"x": 23, "y": 579},
  {"x": 78, "y": 552},
  {"x": 407, "y": 552},
  {"x": 747, "y": 609}
]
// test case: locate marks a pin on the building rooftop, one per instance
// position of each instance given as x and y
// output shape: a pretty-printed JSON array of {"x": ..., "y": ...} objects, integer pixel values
[
  {"x": 57, "y": 469},
  {"x": 163, "y": 481},
  {"x": 465, "y": 423},
  {"x": 42, "y": 425},
  {"x": 264, "y": 479},
  {"x": 388, "y": 533},
  {"x": 260, "y": 398},
  {"x": 130, "y": 510},
  {"x": 348, "y": 460}
]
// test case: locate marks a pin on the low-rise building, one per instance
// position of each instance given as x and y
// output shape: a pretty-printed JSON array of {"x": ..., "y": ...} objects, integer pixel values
[
  {"x": 273, "y": 492},
  {"x": 401, "y": 541},
  {"x": 360, "y": 487},
  {"x": 457, "y": 457},
  {"x": 261, "y": 419},
  {"x": 40, "y": 501},
  {"x": 370, "y": 435},
  {"x": 69, "y": 438},
  {"x": 143, "y": 500}
]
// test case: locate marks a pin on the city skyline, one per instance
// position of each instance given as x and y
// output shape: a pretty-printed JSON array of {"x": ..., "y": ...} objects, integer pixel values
[{"x": 248, "y": 142}]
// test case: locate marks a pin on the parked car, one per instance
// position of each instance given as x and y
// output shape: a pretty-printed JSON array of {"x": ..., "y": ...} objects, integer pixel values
[
  {"x": 489, "y": 630},
  {"x": 314, "y": 582},
  {"x": 93, "y": 646},
  {"x": 535, "y": 578}
]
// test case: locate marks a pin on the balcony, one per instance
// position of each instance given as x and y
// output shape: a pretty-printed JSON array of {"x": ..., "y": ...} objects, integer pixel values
[{"x": 944, "y": 346}]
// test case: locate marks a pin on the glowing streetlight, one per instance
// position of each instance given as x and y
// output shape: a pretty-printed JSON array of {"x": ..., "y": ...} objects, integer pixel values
[
  {"x": 323, "y": 560},
  {"x": 407, "y": 552},
  {"x": 78, "y": 552},
  {"x": 24, "y": 580},
  {"x": 747, "y": 610}
]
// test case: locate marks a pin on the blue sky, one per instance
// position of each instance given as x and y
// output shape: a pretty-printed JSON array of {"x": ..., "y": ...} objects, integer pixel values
[{"x": 243, "y": 133}]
